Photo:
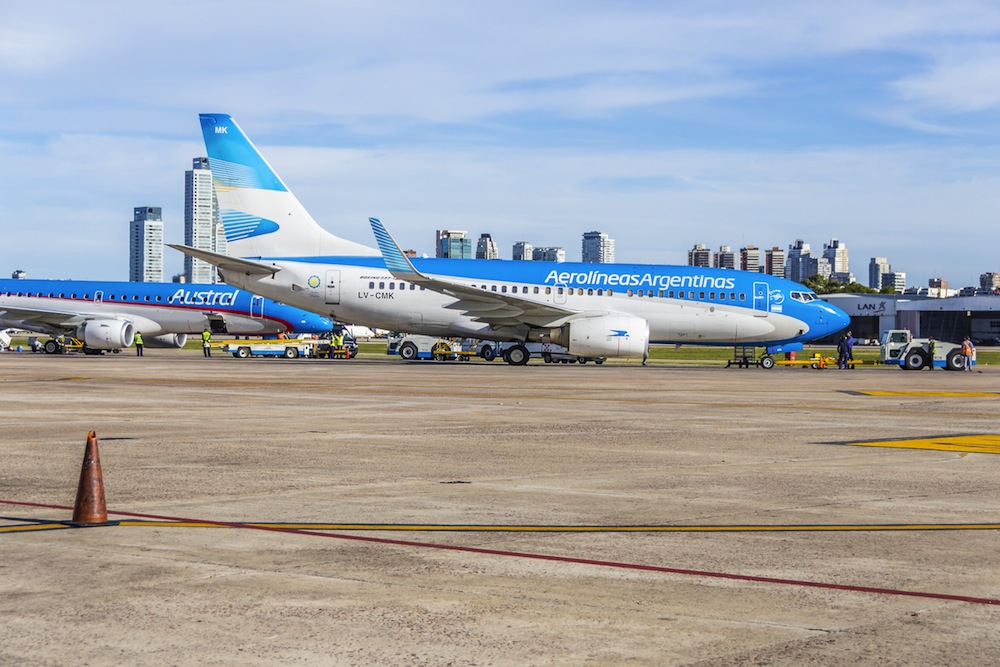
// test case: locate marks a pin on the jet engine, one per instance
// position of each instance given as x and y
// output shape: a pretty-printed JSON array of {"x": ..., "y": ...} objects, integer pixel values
[
  {"x": 167, "y": 340},
  {"x": 106, "y": 334},
  {"x": 604, "y": 336}
]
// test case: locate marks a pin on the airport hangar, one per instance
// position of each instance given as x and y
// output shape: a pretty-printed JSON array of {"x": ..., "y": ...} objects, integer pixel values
[{"x": 950, "y": 319}]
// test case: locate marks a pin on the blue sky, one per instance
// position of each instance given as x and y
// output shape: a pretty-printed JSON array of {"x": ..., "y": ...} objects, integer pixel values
[{"x": 662, "y": 124}]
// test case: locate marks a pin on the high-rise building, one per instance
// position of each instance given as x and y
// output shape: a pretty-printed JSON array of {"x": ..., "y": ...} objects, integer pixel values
[
  {"x": 774, "y": 262},
  {"x": 750, "y": 259},
  {"x": 522, "y": 251},
  {"x": 486, "y": 248},
  {"x": 990, "y": 281},
  {"x": 548, "y": 255},
  {"x": 699, "y": 255},
  {"x": 896, "y": 279},
  {"x": 877, "y": 266},
  {"x": 725, "y": 258},
  {"x": 799, "y": 262},
  {"x": 598, "y": 248},
  {"x": 146, "y": 245},
  {"x": 835, "y": 252},
  {"x": 453, "y": 244},
  {"x": 202, "y": 226}
]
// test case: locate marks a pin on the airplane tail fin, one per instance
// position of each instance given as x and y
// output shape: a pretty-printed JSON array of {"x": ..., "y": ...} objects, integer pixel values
[{"x": 261, "y": 216}]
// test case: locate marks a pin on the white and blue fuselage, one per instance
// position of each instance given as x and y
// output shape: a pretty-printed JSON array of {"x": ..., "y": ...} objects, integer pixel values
[
  {"x": 109, "y": 313},
  {"x": 602, "y": 310}
]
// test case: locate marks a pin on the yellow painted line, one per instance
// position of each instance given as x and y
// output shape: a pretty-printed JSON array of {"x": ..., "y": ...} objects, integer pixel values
[
  {"x": 979, "y": 444},
  {"x": 574, "y": 529},
  {"x": 946, "y": 394},
  {"x": 31, "y": 527}
]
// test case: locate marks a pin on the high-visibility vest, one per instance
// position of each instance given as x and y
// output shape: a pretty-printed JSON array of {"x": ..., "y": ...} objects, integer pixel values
[{"x": 966, "y": 347}]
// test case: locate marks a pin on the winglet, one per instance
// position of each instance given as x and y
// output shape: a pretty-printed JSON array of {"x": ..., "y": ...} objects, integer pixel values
[{"x": 398, "y": 264}]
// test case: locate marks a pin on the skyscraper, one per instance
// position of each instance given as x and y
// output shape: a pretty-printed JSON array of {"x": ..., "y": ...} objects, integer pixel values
[
  {"x": 876, "y": 268},
  {"x": 202, "y": 225},
  {"x": 548, "y": 255},
  {"x": 774, "y": 262},
  {"x": 699, "y": 255},
  {"x": 799, "y": 262},
  {"x": 453, "y": 244},
  {"x": 725, "y": 258},
  {"x": 522, "y": 251},
  {"x": 598, "y": 248},
  {"x": 750, "y": 259},
  {"x": 835, "y": 252},
  {"x": 146, "y": 245},
  {"x": 486, "y": 248}
]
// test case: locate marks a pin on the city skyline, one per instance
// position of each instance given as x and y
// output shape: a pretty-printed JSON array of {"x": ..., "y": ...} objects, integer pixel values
[{"x": 662, "y": 124}]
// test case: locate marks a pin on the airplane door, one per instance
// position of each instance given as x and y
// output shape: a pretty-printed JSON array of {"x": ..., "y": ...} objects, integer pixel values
[
  {"x": 333, "y": 286},
  {"x": 560, "y": 296},
  {"x": 256, "y": 307},
  {"x": 760, "y": 300},
  {"x": 98, "y": 296}
]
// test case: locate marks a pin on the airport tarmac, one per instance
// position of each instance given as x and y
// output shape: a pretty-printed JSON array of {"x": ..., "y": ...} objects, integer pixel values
[{"x": 545, "y": 515}]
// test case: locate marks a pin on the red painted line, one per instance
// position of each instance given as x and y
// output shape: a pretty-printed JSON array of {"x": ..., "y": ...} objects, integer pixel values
[{"x": 553, "y": 558}]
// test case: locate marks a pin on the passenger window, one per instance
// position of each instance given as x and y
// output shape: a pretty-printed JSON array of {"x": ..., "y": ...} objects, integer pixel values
[
  {"x": 590, "y": 292},
  {"x": 559, "y": 290},
  {"x": 691, "y": 295},
  {"x": 535, "y": 289},
  {"x": 630, "y": 292},
  {"x": 722, "y": 296},
  {"x": 381, "y": 285},
  {"x": 371, "y": 285},
  {"x": 548, "y": 290},
  {"x": 503, "y": 289},
  {"x": 701, "y": 295},
  {"x": 392, "y": 285},
  {"x": 743, "y": 296}
]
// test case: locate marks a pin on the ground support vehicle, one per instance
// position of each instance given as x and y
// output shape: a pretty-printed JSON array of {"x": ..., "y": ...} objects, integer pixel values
[
  {"x": 64, "y": 344},
  {"x": 290, "y": 349},
  {"x": 745, "y": 356},
  {"x": 550, "y": 353},
  {"x": 899, "y": 348},
  {"x": 413, "y": 346}
]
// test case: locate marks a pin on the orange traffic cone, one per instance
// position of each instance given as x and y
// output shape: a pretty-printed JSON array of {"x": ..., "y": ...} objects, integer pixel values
[{"x": 90, "y": 509}]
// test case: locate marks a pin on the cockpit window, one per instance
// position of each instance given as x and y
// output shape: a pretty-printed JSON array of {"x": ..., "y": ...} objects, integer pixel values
[{"x": 804, "y": 297}]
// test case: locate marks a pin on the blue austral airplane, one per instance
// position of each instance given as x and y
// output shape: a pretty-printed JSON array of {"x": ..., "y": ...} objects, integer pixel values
[
  {"x": 595, "y": 310},
  {"x": 107, "y": 315}
]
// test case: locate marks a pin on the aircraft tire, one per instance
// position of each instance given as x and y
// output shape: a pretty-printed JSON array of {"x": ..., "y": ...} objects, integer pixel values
[
  {"x": 546, "y": 357},
  {"x": 517, "y": 355},
  {"x": 767, "y": 362}
]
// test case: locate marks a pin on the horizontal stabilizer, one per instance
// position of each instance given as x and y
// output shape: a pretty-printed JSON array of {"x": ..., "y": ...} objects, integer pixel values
[{"x": 227, "y": 263}]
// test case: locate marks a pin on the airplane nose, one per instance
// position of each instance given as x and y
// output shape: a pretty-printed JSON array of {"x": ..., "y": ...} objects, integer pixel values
[{"x": 836, "y": 319}]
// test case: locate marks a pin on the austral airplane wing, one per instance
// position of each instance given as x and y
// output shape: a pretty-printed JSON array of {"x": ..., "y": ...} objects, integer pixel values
[
  {"x": 37, "y": 319},
  {"x": 483, "y": 306}
]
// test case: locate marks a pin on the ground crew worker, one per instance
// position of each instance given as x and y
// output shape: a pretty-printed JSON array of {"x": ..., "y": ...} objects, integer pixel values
[
  {"x": 206, "y": 342},
  {"x": 931, "y": 346},
  {"x": 138, "y": 344},
  {"x": 968, "y": 351}
]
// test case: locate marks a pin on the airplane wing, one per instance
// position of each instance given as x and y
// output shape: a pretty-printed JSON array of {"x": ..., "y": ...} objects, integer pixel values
[
  {"x": 38, "y": 319},
  {"x": 227, "y": 263},
  {"x": 487, "y": 307}
]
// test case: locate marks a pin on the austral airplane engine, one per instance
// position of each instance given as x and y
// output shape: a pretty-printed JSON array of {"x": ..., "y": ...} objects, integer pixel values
[
  {"x": 167, "y": 340},
  {"x": 604, "y": 336},
  {"x": 106, "y": 334}
]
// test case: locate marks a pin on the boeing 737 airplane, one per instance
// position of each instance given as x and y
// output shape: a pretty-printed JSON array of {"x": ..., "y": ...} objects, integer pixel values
[
  {"x": 595, "y": 310},
  {"x": 106, "y": 315}
]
